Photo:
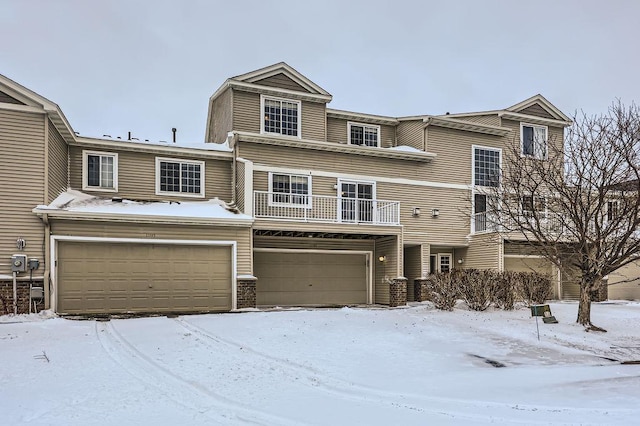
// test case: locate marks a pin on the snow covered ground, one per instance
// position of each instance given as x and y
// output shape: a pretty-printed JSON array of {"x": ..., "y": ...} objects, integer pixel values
[{"x": 351, "y": 366}]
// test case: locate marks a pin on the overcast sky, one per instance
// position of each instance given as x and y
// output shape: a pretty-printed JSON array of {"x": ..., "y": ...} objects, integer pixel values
[{"x": 148, "y": 66}]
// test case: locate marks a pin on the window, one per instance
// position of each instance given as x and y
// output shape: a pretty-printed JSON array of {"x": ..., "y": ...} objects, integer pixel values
[
  {"x": 362, "y": 134},
  {"x": 444, "y": 264},
  {"x": 293, "y": 190},
  {"x": 280, "y": 116},
  {"x": 612, "y": 210},
  {"x": 534, "y": 140},
  {"x": 100, "y": 171},
  {"x": 357, "y": 201},
  {"x": 179, "y": 177},
  {"x": 486, "y": 167},
  {"x": 533, "y": 206}
]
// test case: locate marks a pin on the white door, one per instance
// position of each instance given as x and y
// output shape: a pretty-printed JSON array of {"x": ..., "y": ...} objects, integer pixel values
[{"x": 357, "y": 202}]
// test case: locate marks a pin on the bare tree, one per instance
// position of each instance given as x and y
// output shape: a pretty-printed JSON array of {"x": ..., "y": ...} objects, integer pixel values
[{"x": 576, "y": 203}]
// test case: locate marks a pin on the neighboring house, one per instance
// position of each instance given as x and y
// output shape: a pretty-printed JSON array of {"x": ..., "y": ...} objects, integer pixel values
[{"x": 315, "y": 206}]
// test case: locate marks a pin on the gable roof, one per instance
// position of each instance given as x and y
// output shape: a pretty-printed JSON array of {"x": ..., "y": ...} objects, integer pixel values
[
  {"x": 34, "y": 102},
  {"x": 285, "y": 69},
  {"x": 542, "y": 102}
]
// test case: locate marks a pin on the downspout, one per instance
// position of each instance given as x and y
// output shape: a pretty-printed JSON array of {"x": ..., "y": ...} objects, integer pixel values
[
  {"x": 234, "y": 191},
  {"x": 47, "y": 264}
]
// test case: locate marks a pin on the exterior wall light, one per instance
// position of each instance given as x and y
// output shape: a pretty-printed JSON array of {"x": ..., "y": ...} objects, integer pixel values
[
  {"x": 435, "y": 212},
  {"x": 460, "y": 261},
  {"x": 416, "y": 211},
  {"x": 382, "y": 258}
]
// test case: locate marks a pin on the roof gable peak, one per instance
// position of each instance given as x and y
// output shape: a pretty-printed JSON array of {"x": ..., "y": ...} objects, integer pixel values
[
  {"x": 543, "y": 103},
  {"x": 287, "y": 71}
]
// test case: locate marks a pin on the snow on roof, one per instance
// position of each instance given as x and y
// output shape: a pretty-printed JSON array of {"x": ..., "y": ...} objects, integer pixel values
[
  {"x": 76, "y": 201},
  {"x": 405, "y": 148},
  {"x": 206, "y": 146}
]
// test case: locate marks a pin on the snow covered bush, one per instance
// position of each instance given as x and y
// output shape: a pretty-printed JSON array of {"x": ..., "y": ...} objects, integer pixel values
[{"x": 443, "y": 290}]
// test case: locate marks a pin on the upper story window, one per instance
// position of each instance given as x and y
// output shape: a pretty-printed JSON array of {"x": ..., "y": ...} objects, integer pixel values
[
  {"x": 363, "y": 134},
  {"x": 486, "y": 166},
  {"x": 293, "y": 190},
  {"x": 533, "y": 206},
  {"x": 280, "y": 116},
  {"x": 612, "y": 210},
  {"x": 534, "y": 140},
  {"x": 100, "y": 171},
  {"x": 179, "y": 177}
]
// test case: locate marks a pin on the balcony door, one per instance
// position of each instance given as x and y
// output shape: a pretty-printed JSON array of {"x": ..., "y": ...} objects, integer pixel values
[{"x": 357, "y": 201}]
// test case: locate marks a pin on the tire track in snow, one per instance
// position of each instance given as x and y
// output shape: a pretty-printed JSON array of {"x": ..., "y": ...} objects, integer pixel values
[
  {"x": 410, "y": 401},
  {"x": 176, "y": 388}
]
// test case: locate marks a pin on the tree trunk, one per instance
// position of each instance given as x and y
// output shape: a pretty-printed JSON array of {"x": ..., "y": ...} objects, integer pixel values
[{"x": 584, "y": 308}]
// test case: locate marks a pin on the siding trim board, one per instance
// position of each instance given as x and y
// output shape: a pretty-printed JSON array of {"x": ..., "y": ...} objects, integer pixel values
[
  {"x": 53, "y": 297},
  {"x": 365, "y": 151},
  {"x": 153, "y": 148}
]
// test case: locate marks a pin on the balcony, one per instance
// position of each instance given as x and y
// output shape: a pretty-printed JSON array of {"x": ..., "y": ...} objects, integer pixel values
[
  {"x": 325, "y": 209},
  {"x": 485, "y": 222}
]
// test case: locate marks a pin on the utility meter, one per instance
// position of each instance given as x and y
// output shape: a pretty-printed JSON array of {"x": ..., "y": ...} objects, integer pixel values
[{"x": 18, "y": 263}]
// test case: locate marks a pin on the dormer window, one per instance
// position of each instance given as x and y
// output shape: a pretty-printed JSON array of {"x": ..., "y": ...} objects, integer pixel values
[
  {"x": 534, "y": 141},
  {"x": 363, "y": 134},
  {"x": 280, "y": 116}
]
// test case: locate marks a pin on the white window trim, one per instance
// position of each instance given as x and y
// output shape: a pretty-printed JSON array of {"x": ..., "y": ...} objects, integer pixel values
[
  {"x": 363, "y": 125},
  {"x": 308, "y": 205},
  {"x": 264, "y": 132},
  {"x": 546, "y": 141},
  {"x": 473, "y": 165},
  {"x": 183, "y": 161},
  {"x": 544, "y": 212},
  {"x": 373, "y": 194},
  {"x": 85, "y": 171},
  {"x": 439, "y": 261}
]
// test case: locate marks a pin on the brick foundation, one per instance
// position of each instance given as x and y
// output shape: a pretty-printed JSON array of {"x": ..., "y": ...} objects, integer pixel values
[
  {"x": 246, "y": 293},
  {"x": 421, "y": 289},
  {"x": 6, "y": 297},
  {"x": 398, "y": 292}
]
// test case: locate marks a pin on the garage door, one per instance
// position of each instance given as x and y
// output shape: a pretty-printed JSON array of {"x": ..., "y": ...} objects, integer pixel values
[
  {"x": 100, "y": 277},
  {"x": 299, "y": 279},
  {"x": 528, "y": 264}
]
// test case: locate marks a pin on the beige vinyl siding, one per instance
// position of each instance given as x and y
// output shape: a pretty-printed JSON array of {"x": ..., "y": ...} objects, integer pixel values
[
  {"x": 240, "y": 185},
  {"x": 300, "y": 158},
  {"x": 454, "y": 153},
  {"x": 137, "y": 176},
  {"x": 537, "y": 111},
  {"x": 22, "y": 138},
  {"x": 7, "y": 99},
  {"x": 489, "y": 119},
  {"x": 625, "y": 283},
  {"x": 246, "y": 112},
  {"x": 281, "y": 81},
  {"x": 555, "y": 134},
  {"x": 387, "y": 270},
  {"x": 411, "y": 133},
  {"x": 58, "y": 163},
  {"x": 449, "y": 228},
  {"x": 313, "y": 121},
  {"x": 173, "y": 232},
  {"x": 483, "y": 252},
  {"x": 313, "y": 243},
  {"x": 247, "y": 115},
  {"x": 337, "y": 130},
  {"x": 221, "y": 118}
]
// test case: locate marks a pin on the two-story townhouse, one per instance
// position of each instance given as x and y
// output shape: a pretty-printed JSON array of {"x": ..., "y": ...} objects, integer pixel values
[{"x": 333, "y": 207}]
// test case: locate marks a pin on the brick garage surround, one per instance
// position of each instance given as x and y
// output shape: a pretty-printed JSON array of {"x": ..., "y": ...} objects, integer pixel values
[
  {"x": 398, "y": 292},
  {"x": 6, "y": 297},
  {"x": 246, "y": 292},
  {"x": 421, "y": 289}
]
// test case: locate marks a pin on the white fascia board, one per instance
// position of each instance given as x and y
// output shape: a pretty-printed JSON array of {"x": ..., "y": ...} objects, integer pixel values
[
  {"x": 367, "y": 118},
  {"x": 152, "y": 148},
  {"x": 136, "y": 218},
  {"x": 532, "y": 119}
]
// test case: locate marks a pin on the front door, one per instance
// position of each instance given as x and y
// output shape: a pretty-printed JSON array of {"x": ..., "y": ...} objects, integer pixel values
[{"x": 357, "y": 202}]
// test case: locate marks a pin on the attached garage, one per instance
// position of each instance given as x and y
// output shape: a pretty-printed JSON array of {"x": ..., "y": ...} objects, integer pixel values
[
  {"x": 312, "y": 277},
  {"x": 528, "y": 264},
  {"x": 105, "y": 276}
]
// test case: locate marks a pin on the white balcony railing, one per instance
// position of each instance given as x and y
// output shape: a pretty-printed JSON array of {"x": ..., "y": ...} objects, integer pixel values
[
  {"x": 489, "y": 222},
  {"x": 321, "y": 208}
]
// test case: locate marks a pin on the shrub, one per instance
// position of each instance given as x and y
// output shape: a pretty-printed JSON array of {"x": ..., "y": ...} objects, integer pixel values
[
  {"x": 504, "y": 290},
  {"x": 443, "y": 291},
  {"x": 477, "y": 287},
  {"x": 533, "y": 288}
]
